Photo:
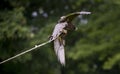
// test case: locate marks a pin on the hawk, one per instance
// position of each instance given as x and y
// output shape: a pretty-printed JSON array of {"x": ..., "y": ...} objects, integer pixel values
[{"x": 61, "y": 29}]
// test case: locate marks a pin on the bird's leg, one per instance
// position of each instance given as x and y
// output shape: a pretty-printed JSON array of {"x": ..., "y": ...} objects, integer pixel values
[
  {"x": 65, "y": 33},
  {"x": 60, "y": 40},
  {"x": 61, "y": 37},
  {"x": 63, "y": 42}
]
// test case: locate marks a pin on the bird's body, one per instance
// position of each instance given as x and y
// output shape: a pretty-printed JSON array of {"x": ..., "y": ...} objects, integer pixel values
[
  {"x": 59, "y": 33},
  {"x": 63, "y": 26}
]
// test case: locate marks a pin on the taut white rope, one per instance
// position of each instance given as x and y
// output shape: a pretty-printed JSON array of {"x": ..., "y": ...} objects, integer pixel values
[{"x": 36, "y": 46}]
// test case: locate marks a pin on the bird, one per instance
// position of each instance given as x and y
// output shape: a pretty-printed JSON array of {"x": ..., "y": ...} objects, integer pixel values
[{"x": 61, "y": 29}]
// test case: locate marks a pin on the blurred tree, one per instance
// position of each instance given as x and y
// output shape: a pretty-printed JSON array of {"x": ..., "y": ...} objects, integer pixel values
[{"x": 92, "y": 49}]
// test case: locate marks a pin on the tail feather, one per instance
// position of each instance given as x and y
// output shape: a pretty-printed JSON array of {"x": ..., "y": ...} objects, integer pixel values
[{"x": 59, "y": 50}]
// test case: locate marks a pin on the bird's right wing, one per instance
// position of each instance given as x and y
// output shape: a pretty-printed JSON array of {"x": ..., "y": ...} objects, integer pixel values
[{"x": 71, "y": 16}]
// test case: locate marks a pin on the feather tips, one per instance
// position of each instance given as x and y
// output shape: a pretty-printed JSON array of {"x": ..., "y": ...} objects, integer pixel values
[{"x": 59, "y": 50}]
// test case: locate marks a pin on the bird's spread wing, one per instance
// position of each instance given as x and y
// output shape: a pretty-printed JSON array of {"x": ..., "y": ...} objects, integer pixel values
[{"x": 71, "y": 16}]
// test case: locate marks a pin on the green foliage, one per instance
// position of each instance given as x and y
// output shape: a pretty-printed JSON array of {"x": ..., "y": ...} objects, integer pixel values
[{"x": 92, "y": 49}]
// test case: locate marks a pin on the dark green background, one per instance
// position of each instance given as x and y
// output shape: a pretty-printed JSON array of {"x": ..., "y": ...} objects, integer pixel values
[{"x": 92, "y": 49}]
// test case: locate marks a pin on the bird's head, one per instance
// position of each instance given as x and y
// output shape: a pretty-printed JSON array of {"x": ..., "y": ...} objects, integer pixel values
[{"x": 62, "y": 19}]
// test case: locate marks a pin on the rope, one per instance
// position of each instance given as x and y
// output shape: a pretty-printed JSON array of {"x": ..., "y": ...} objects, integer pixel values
[{"x": 36, "y": 46}]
